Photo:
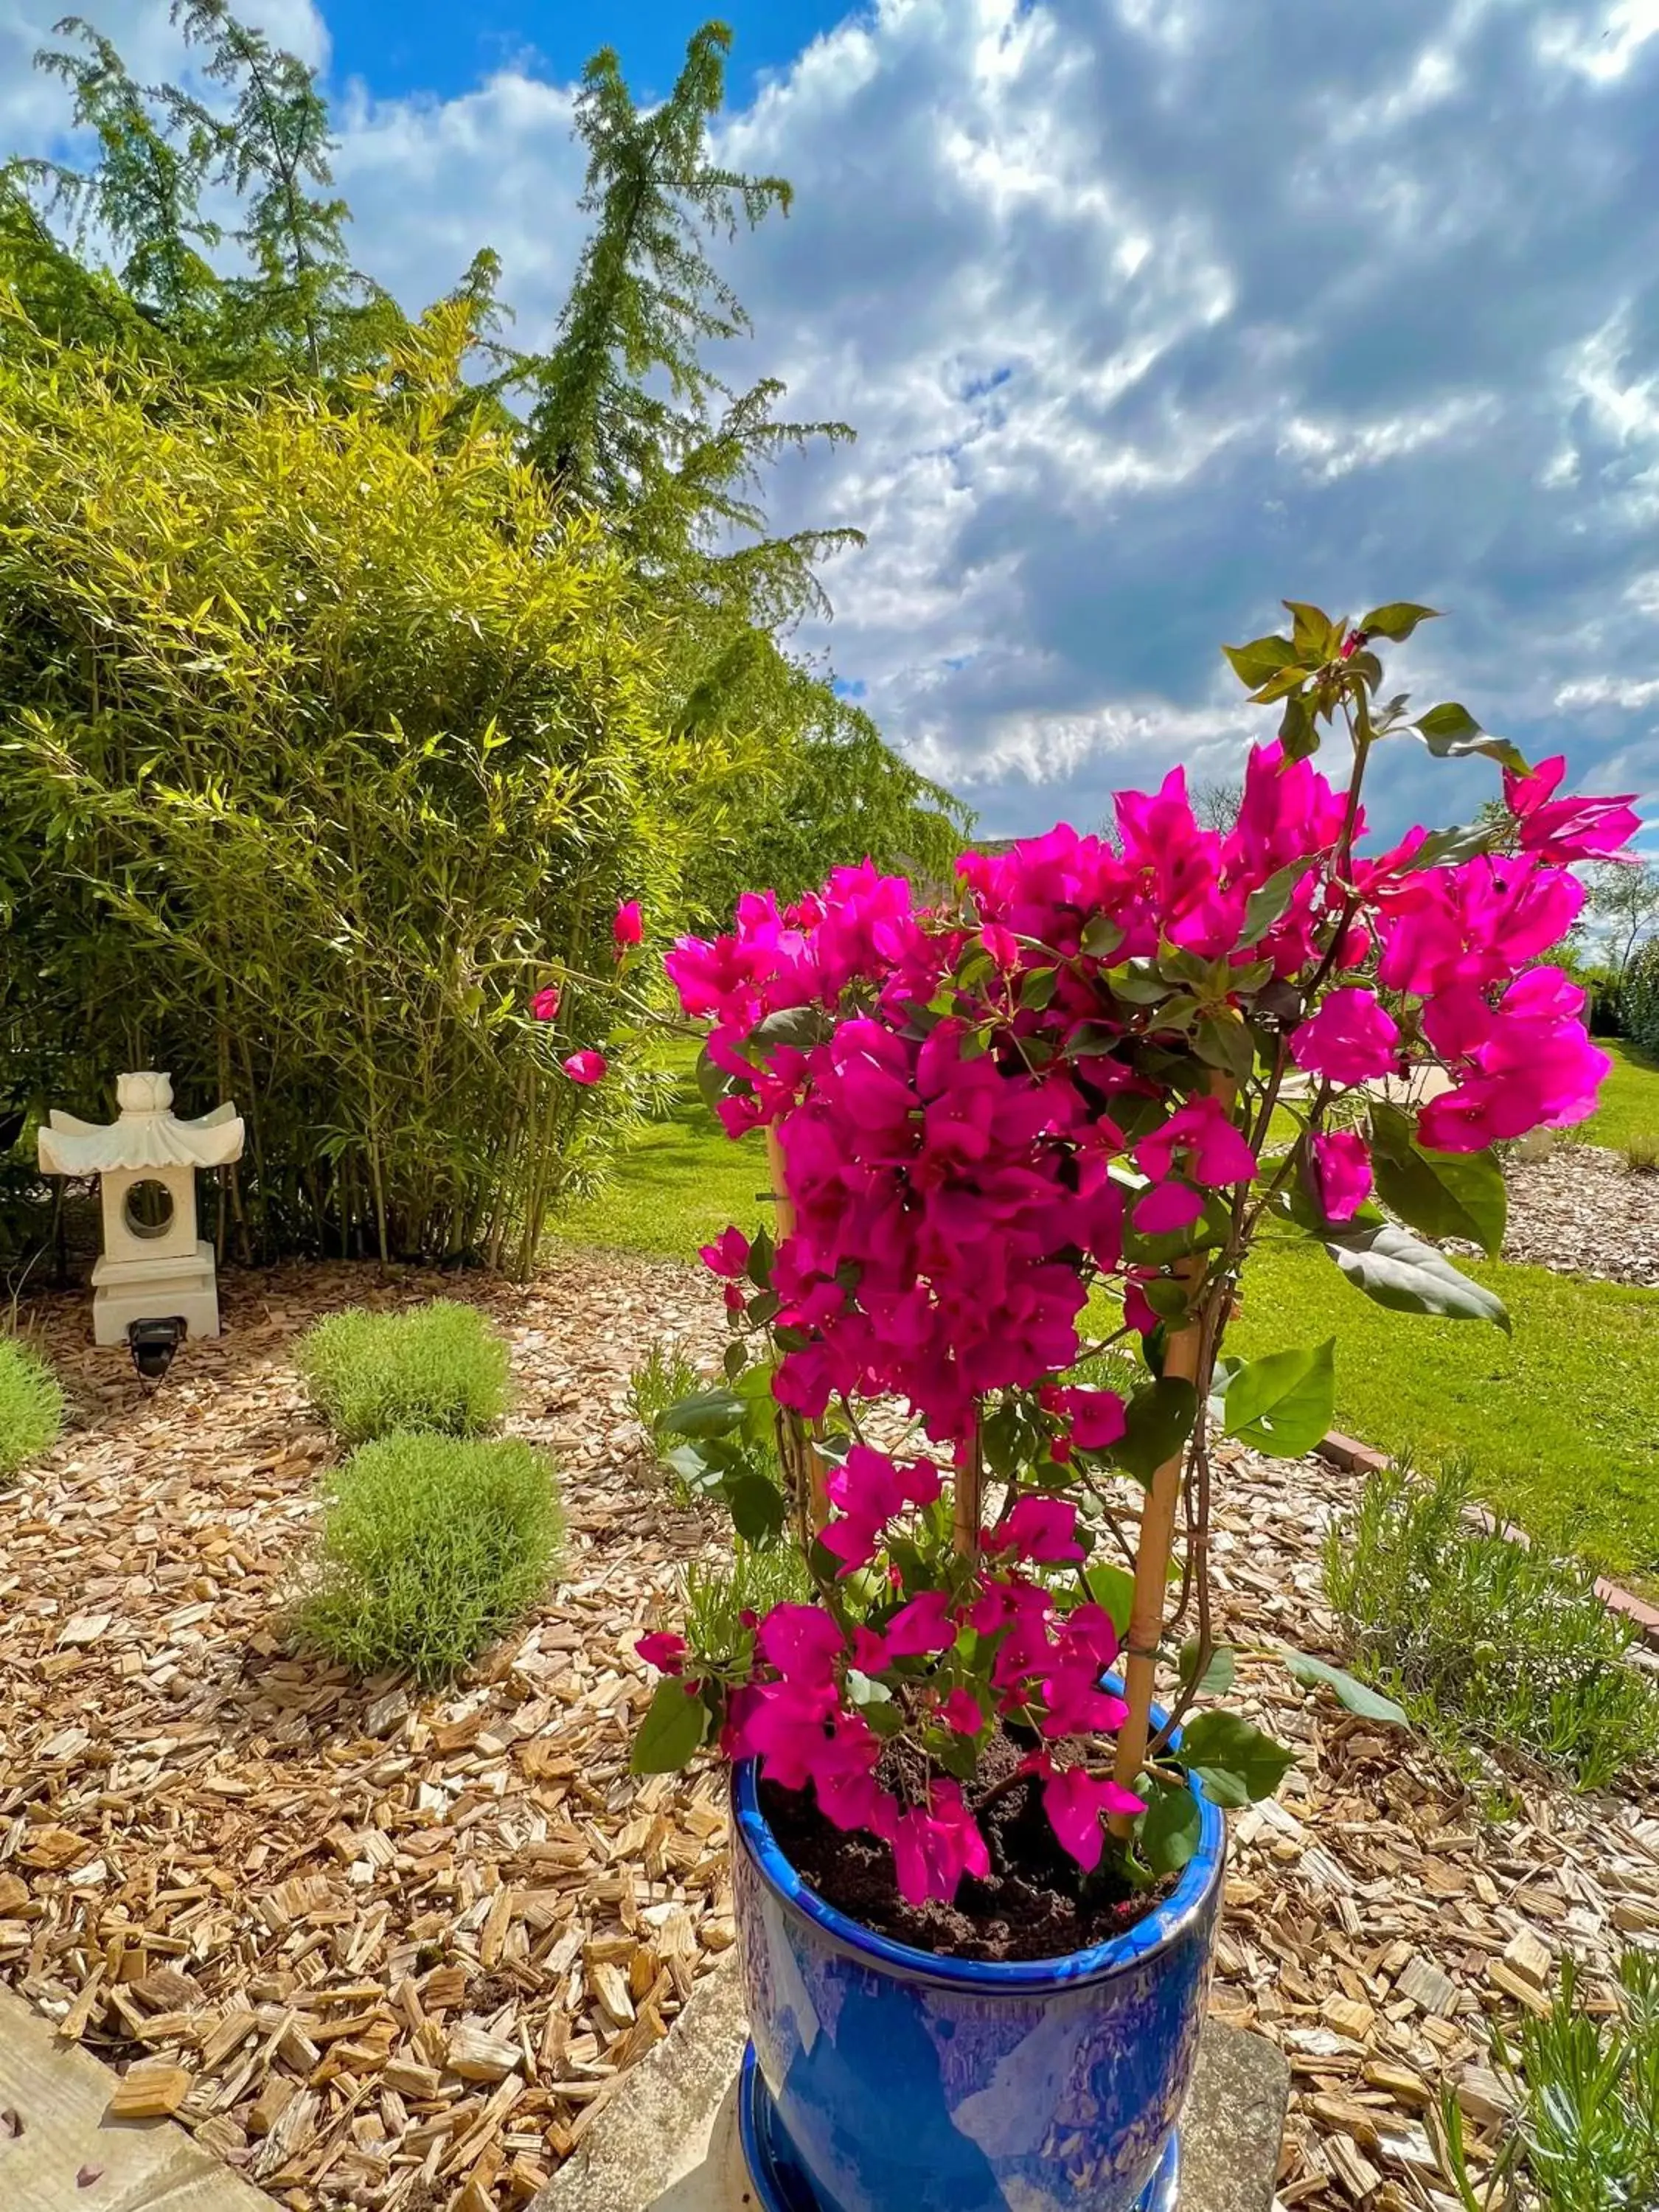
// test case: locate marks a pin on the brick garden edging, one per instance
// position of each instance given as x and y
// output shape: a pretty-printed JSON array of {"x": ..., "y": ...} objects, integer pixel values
[{"x": 1355, "y": 1458}]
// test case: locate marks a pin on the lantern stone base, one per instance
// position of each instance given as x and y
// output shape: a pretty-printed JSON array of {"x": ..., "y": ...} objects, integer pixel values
[
  {"x": 669, "y": 2141},
  {"x": 182, "y": 1289}
]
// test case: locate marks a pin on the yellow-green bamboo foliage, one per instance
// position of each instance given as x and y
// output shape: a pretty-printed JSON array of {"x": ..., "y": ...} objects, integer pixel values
[{"x": 323, "y": 742}]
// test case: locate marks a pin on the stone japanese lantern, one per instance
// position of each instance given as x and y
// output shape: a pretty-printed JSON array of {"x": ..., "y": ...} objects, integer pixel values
[{"x": 155, "y": 1267}]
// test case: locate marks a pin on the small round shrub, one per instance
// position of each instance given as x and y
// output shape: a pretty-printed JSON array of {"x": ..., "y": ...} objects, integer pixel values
[
  {"x": 430, "y": 1548},
  {"x": 439, "y": 1367},
  {"x": 31, "y": 1406}
]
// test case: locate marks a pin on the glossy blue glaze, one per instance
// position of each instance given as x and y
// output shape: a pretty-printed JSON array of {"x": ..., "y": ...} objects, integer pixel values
[{"x": 887, "y": 2079}]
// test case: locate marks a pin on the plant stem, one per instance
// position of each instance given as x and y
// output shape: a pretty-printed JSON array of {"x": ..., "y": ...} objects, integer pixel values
[{"x": 814, "y": 1500}]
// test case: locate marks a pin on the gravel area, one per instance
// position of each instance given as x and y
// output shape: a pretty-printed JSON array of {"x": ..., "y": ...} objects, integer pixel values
[{"x": 1582, "y": 1211}]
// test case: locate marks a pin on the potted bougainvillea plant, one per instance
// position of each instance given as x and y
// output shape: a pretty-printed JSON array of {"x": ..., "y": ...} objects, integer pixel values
[{"x": 1021, "y": 1129}]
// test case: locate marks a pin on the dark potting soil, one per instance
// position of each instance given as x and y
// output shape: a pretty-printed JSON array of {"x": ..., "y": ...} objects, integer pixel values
[{"x": 1037, "y": 1904}]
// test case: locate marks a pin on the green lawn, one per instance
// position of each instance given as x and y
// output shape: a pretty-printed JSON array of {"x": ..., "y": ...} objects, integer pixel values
[
  {"x": 1561, "y": 1420},
  {"x": 682, "y": 1181},
  {"x": 1630, "y": 1097}
]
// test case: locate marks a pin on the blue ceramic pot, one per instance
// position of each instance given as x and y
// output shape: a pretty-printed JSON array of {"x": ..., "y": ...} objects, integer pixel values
[{"x": 883, "y": 2079}]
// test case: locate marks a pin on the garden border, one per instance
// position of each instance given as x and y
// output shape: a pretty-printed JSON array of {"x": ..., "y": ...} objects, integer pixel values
[{"x": 1354, "y": 1458}]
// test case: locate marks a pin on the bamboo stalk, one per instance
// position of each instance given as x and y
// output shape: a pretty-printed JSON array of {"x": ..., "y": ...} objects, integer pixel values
[
  {"x": 1182, "y": 1358},
  {"x": 817, "y": 1499}
]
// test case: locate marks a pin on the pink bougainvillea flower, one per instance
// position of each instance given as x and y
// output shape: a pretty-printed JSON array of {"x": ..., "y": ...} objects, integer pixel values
[
  {"x": 544, "y": 1007},
  {"x": 869, "y": 1490},
  {"x": 727, "y": 1255},
  {"x": 663, "y": 1651},
  {"x": 1562, "y": 830},
  {"x": 1215, "y": 1151},
  {"x": 935, "y": 1845},
  {"x": 921, "y": 1628},
  {"x": 1534, "y": 1067},
  {"x": 1341, "y": 1173},
  {"x": 1353, "y": 1038},
  {"x": 586, "y": 1068},
  {"x": 628, "y": 927},
  {"x": 844, "y": 1775},
  {"x": 1097, "y": 1416},
  {"x": 802, "y": 1642},
  {"x": 1077, "y": 1803},
  {"x": 1038, "y": 1529},
  {"x": 1001, "y": 943},
  {"x": 961, "y": 1711},
  {"x": 1166, "y": 1208},
  {"x": 1077, "y": 1706}
]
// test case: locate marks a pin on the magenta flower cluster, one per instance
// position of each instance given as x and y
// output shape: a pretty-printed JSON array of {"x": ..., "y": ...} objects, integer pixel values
[{"x": 977, "y": 1123}]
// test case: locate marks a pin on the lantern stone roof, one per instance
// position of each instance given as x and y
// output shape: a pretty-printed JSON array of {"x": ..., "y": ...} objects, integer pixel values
[{"x": 147, "y": 1135}]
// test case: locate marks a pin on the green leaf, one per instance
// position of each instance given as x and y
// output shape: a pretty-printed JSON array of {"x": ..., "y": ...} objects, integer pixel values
[
  {"x": 759, "y": 1266},
  {"x": 1389, "y": 1265},
  {"x": 1451, "y": 732},
  {"x": 1136, "y": 984},
  {"x": 1284, "y": 1403},
  {"x": 759, "y": 1509},
  {"x": 1159, "y": 1420},
  {"x": 1169, "y": 1829},
  {"x": 714, "y": 1082},
  {"x": 705, "y": 1414},
  {"x": 796, "y": 1025},
  {"x": 1285, "y": 685},
  {"x": 1299, "y": 732},
  {"x": 864, "y": 1689},
  {"x": 1100, "y": 937},
  {"x": 1396, "y": 620},
  {"x": 1222, "y": 1042},
  {"x": 693, "y": 1469},
  {"x": 1253, "y": 664},
  {"x": 1038, "y": 987},
  {"x": 1270, "y": 902},
  {"x": 1112, "y": 1589},
  {"x": 1446, "y": 847},
  {"x": 1218, "y": 1675},
  {"x": 1236, "y": 1763},
  {"x": 1438, "y": 1194},
  {"x": 672, "y": 1730},
  {"x": 1358, "y": 1697},
  {"x": 1313, "y": 633},
  {"x": 1449, "y": 722}
]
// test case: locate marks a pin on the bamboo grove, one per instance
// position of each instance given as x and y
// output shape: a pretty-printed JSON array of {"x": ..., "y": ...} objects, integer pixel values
[{"x": 354, "y": 665}]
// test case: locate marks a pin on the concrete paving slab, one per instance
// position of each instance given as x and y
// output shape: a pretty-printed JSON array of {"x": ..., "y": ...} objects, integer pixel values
[
  {"x": 670, "y": 2142},
  {"x": 70, "y": 2157}
]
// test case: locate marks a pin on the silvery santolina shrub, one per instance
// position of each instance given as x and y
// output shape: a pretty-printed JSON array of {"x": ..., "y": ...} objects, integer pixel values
[
  {"x": 439, "y": 1367},
  {"x": 431, "y": 1548}
]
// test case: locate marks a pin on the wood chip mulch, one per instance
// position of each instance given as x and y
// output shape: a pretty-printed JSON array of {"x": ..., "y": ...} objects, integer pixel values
[
  {"x": 396, "y": 1952},
  {"x": 1581, "y": 1210}
]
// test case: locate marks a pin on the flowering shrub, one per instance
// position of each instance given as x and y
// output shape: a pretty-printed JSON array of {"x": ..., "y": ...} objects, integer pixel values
[{"x": 1071, "y": 1079}]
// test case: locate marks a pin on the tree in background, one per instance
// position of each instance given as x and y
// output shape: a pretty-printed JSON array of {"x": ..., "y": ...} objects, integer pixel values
[
  {"x": 213, "y": 691},
  {"x": 1624, "y": 897}
]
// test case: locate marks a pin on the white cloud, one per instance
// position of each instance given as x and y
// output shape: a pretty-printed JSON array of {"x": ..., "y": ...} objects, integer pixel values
[{"x": 1140, "y": 324}]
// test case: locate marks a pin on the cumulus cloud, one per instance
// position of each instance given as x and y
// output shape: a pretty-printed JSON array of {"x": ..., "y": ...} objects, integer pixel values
[{"x": 1147, "y": 311}]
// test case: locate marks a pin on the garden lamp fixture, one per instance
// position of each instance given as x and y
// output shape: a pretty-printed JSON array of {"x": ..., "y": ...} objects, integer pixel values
[{"x": 152, "y": 1344}]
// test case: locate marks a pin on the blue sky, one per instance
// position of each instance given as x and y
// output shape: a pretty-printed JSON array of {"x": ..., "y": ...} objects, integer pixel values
[
  {"x": 1146, "y": 313},
  {"x": 434, "y": 47}
]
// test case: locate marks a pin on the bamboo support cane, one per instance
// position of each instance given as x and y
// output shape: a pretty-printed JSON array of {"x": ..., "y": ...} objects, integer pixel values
[
  {"x": 968, "y": 1500},
  {"x": 817, "y": 1475},
  {"x": 1157, "y": 1522}
]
